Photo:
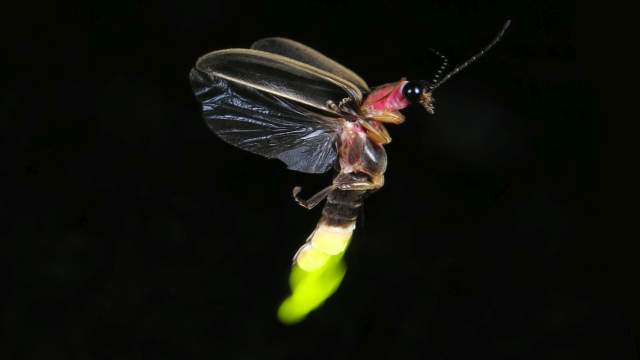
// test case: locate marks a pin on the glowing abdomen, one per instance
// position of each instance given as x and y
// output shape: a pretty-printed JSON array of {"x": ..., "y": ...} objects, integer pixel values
[{"x": 334, "y": 230}]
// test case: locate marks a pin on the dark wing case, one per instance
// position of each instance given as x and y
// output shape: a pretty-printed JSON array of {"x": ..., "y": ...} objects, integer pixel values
[{"x": 266, "y": 124}]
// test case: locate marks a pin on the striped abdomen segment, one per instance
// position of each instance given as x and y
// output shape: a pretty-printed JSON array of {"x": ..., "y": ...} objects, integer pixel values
[
  {"x": 333, "y": 232},
  {"x": 342, "y": 208}
]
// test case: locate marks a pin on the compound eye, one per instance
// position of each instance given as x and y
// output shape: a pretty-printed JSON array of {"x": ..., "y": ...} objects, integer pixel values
[{"x": 412, "y": 91}]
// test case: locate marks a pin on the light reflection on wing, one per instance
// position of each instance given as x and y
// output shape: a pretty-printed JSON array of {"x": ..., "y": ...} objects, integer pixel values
[
  {"x": 280, "y": 76},
  {"x": 300, "y": 52}
]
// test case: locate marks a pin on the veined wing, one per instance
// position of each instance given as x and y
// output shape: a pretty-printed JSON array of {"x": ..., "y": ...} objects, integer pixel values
[
  {"x": 267, "y": 124},
  {"x": 297, "y": 51},
  {"x": 280, "y": 76}
]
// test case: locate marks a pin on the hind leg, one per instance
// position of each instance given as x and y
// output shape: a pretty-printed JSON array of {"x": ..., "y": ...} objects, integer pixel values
[{"x": 311, "y": 202}]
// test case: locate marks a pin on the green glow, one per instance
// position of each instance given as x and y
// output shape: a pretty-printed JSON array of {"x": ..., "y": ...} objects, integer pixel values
[{"x": 309, "y": 289}]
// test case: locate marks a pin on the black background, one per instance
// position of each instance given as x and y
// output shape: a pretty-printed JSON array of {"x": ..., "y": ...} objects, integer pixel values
[{"x": 133, "y": 232}]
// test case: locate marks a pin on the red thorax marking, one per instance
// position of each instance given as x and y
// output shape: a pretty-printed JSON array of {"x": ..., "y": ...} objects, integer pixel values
[{"x": 385, "y": 98}]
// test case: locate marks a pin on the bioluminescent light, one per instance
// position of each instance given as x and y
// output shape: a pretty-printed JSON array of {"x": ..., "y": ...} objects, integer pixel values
[{"x": 310, "y": 289}]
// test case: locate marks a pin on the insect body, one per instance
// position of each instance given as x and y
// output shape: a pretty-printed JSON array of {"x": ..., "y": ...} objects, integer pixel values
[{"x": 281, "y": 99}]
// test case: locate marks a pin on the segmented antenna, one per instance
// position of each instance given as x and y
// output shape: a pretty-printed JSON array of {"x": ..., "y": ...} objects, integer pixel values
[
  {"x": 473, "y": 58},
  {"x": 443, "y": 65}
]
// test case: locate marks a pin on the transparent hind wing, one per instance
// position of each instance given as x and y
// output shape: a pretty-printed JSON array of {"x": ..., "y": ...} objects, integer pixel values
[{"x": 267, "y": 125}]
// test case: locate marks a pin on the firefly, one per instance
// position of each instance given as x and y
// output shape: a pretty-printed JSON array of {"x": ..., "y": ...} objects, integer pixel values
[{"x": 284, "y": 100}]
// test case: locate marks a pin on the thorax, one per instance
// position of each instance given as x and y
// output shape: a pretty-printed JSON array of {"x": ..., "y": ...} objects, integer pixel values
[
  {"x": 363, "y": 137},
  {"x": 359, "y": 153}
]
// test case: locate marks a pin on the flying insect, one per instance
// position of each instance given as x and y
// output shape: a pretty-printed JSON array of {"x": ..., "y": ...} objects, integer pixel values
[{"x": 284, "y": 100}]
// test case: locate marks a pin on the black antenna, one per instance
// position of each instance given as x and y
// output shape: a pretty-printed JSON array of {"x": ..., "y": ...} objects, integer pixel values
[
  {"x": 473, "y": 58},
  {"x": 443, "y": 66}
]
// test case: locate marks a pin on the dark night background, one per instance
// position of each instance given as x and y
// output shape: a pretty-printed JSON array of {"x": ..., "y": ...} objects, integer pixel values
[{"x": 132, "y": 232}]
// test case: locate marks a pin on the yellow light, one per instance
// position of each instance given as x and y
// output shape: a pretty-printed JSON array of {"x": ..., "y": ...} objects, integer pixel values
[
  {"x": 331, "y": 240},
  {"x": 309, "y": 258},
  {"x": 317, "y": 273},
  {"x": 310, "y": 289}
]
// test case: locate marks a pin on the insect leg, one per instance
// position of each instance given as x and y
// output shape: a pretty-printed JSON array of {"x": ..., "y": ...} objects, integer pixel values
[
  {"x": 380, "y": 135},
  {"x": 360, "y": 186},
  {"x": 314, "y": 200},
  {"x": 331, "y": 105},
  {"x": 351, "y": 182}
]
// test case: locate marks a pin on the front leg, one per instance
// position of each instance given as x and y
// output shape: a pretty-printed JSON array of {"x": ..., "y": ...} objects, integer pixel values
[{"x": 379, "y": 134}]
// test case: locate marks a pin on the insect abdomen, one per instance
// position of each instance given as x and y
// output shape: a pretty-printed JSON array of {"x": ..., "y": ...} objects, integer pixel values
[
  {"x": 342, "y": 207},
  {"x": 334, "y": 230}
]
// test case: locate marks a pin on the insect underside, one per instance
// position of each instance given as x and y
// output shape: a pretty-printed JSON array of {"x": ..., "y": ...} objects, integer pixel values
[
  {"x": 283, "y": 100},
  {"x": 362, "y": 163}
]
